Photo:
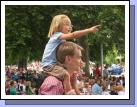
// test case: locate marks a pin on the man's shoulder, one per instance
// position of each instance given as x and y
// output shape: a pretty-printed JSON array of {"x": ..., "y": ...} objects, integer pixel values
[
  {"x": 52, "y": 80},
  {"x": 95, "y": 85},
  {"x": 51, "y": 86},
  {"x": 12, "y": 90}
]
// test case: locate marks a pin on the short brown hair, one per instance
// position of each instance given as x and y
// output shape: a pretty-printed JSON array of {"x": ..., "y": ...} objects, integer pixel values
[{"x": 66, "y": 49}]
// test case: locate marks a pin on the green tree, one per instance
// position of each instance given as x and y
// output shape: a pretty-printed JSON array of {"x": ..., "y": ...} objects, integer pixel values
[
  {"x": 111, "y": 56},
  {"x": 26, "y": 29}
]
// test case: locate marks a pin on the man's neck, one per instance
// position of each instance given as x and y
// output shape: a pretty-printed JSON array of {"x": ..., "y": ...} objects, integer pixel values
[{"x": 70, "y": 71}]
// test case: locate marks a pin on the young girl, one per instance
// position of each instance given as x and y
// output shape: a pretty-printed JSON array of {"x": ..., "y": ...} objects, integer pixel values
[{"x": 60, "y": 30}]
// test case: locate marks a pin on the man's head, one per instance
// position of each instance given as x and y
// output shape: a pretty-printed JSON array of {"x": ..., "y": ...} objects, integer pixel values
[
  {"x": 69, "y": 54},
  {"x": 13, "y": 83}
]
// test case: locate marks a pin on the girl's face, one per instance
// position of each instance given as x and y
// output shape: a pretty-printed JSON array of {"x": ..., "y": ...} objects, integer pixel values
[{"x": 66, "y": 26}]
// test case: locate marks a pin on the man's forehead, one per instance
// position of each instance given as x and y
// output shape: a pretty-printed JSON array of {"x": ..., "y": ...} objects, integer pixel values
[{"x": 78, "y": 52}]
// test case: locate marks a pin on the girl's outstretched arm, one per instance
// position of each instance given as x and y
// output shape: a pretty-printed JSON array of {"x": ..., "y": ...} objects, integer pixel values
[{"x": 80, "y": 33}]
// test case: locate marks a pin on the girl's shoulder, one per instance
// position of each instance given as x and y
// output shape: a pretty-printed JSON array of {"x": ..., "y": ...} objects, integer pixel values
[{"x": 56, "y": 35}]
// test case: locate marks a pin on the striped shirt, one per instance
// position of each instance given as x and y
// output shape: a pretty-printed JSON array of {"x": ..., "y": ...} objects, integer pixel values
[{"x": 51, "y": 86}]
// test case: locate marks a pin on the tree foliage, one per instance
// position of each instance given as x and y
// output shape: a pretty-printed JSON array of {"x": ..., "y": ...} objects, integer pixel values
[{"x": 27, "y": 27}]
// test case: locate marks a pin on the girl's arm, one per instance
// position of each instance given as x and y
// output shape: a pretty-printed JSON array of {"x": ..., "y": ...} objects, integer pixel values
[{"x": 80, "y": 33}]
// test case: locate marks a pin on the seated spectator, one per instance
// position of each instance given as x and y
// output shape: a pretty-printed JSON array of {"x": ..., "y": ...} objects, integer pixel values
[
  {"x": 87, "y": 89},
  {"x": 105, "y": 90},
  {"x": 113, "y": 91},
  {"x": 7, "y": 87},
  {"x": 96, "y": 88},
  {"x": 12, "y": 88},
  {"x": 29, "y": 89}
]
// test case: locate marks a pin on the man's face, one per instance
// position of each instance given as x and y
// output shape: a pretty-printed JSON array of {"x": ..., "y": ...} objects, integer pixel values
[
  {"x": 15, "y": 84},
  {"x": 75, "y": 60}
]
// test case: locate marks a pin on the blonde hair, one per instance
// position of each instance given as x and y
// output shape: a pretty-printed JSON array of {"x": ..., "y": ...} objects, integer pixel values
[
  {"x": 118, "y": 88},
  {"x": 56, "y": 23}
]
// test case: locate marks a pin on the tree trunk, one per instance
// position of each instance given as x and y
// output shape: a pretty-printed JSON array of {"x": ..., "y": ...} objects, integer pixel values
[
  {"x": 101, "y": 49},
  {"x": 22, "y": 63},
  {"x": 87, "y": 60}
]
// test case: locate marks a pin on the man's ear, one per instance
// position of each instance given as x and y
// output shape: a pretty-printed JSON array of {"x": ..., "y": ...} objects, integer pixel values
[{"x": 67, "y": 59}]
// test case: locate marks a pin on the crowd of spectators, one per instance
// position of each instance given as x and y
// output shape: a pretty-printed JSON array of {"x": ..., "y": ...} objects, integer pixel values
[{"x": 27, "y": 82}]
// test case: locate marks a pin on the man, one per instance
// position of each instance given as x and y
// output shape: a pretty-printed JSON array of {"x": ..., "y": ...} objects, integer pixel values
[
  {"x": 12, "y": 89},
  {"x": 96, "y": 88},
  {"x": 69, "y": 56},
  {"x": 105, "y": 71}
]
